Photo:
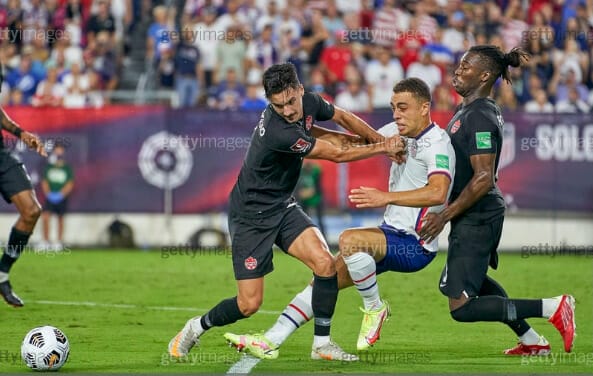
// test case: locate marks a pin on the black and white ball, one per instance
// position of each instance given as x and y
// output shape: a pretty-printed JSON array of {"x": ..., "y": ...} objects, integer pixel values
[{"x": 45, "y": 348}]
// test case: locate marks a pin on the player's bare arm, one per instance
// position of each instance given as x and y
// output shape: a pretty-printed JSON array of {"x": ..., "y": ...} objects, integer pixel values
[
  {"x": 354, "y": 124},
  {"x": 482, "y": 181},
  {"x": 31, "y": 140},
  {"x": 432, "y": 194},
  {"x": 337, "y": 138},
  {"x": 328, "y": 151}
]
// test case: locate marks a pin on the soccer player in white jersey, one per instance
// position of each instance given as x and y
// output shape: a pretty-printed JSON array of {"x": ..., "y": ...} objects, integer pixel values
[{"x": 420, "y": 185}]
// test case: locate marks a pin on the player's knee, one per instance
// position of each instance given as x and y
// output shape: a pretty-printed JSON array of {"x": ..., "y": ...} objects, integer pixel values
[
  {"x": 464, "y": 313},
  {"x": 31, "y": 212},
  {"x": 325, "y": 264},
  {"x": 249, "y": 306},
  {"x": 348, "y": 242}
]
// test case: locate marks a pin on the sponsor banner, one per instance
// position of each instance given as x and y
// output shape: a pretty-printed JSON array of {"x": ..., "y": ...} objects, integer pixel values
[{"x": 150, "y": 159}]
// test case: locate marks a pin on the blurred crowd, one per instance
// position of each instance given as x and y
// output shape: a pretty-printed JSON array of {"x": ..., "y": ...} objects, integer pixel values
[{"x": 212, "y": 52}]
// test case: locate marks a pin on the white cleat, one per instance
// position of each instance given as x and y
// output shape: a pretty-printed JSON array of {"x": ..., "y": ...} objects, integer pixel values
[
  {"x": 331, "y": 351},
  {"x": 187, "y": 338}
]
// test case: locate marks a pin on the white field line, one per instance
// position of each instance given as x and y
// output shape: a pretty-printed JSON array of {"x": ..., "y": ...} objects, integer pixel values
[
  {"x": 133, "y": 306},
  {"x": 243, "y": 366}
]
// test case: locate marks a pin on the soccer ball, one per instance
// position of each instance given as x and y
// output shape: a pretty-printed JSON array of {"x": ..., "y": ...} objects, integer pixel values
[{"x": 45, "y": 348}]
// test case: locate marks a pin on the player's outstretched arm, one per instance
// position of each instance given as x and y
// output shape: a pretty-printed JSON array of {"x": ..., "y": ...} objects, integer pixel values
[
  {"x": 31, "y": 140},
  {"x": 356, "y": 125},
  {"x": 432, "y": 194},
  {"x": 347, "y": 153},
  {"x": 336, "y": 138}
]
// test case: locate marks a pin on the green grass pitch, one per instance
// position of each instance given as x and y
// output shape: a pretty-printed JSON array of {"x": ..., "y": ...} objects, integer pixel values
[{"x": 119, "y": 310}]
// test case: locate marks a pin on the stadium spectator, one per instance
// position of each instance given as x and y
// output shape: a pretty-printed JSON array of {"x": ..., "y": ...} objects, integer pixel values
[
  {"x": 514, "y": 25},
  {"x": 78, "y": 85},
  {"x": 317, "y": 85},
  {"x": 476, "y": 211},
  {"x": 253, "y": 101},
  {"x": 232, "y": 51},
  {"x": 561, "y": 84},
  {"x": 189, "y": 76},
  {"x": 506, "y": 98},
  {"x": 16, "y": 188},
  {"x": 57, "y": 185},
  {"x": 261, "y": 52},
  {"x": 313, "y": 38},
  {"x": 443, "y": 100},
  {"x": 286, "y": 23},
  {"x": 228, "y": 94},
  {"x": 392, "y": 21},
  {"x": 454, "y": 35},
  {"x": 270, "y": 17},
  {"x": 166, "y": 66},
  {"x": 573, "y": 104},
  {"x": 103, "y": 20},
  {"x": 409, "y": 44},
  {"x": 380, "y": 73},
  {"x": 206, "y": 39},
  {"x": 333, "y": 22},
  {"x": 159, "y": 34},
  {"x": 50, "y": 92},
  {"x": 232, "y": 17},
  {"x": 105, "y": 63},
  {"x": 539, "y": 103},
  {"x": 34, "y": 21},
  {"x": 75, "y": 20},
  {"x": 24, "y": 79},
  {"x": 426, "y": 70},
  {"x": 354, "y": 98}
]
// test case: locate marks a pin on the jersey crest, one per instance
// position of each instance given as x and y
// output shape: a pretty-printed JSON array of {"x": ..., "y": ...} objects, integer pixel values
[
  {"x": 300, "y": 146},
  {"x": 455, "y": 127}
]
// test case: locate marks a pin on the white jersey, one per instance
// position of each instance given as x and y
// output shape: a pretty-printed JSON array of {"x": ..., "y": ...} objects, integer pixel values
[{"x": 429, "y": 153}]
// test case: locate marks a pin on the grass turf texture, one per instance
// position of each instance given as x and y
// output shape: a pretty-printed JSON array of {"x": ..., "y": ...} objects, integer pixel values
[{"x": 420, "y": 337}]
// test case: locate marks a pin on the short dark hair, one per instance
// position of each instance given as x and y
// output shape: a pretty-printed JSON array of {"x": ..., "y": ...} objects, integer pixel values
[
  {"x": 280, "y": 77},
  {"x": 496, "y": 61},
  {"x": 414, "y": 85}
]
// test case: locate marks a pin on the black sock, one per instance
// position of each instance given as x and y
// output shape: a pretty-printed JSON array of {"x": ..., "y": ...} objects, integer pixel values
[
  {"x": 323, "y": 302},
  {"x": 491, "y": 287},
  {"x": 497, "y": 308},
  {"x": 16, "y": 243},
  {"x": 224, "y": 313}
]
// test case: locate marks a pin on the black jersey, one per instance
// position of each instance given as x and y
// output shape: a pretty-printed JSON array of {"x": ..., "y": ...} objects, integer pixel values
[
  {"x": 477, "y": 129},
  {"x": 274, "y": 159}
]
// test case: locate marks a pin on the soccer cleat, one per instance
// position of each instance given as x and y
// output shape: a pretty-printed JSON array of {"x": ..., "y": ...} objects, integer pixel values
[
  {"x": 563, "y": 320},
  {"x": 541, "y": 348},
  {"x": 9, "y": 296},
  {"x": 331, "y": 351},
  {"x": 255, "y": 344},
  {"x": 187, "y": 338},
  {"x": 372, "y": 322}
]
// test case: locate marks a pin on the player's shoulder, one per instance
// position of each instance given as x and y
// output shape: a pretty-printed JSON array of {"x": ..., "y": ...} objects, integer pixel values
[
  {"x": 389, "y": 129},
  {"x": 438, "y": 134}
]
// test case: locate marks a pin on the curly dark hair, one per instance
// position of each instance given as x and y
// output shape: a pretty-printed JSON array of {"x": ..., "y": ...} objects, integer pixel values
[{"x": 280, "y": 77}]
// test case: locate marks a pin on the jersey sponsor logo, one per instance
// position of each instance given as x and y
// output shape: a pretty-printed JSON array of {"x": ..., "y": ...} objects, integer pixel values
[
  {"x": 483, "y": 140},
  {"x": 442, "y": 161},
  {"x": 455, "y": 127},
  {"x": 300, "y": 146},
  {"x": 250, "y": 263},
  {"x": 308, "y": 122}
]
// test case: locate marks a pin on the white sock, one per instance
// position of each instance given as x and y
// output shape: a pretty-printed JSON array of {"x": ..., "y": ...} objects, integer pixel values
[
  {"x": 550, "y": 305},
  {"x": 3, "y": 277},
  {"x": 363, "y": 271},
  {"x": 296, "y": 313},
  {"x": 530, "y": 337},
  {"x": 319, "y": 341}
]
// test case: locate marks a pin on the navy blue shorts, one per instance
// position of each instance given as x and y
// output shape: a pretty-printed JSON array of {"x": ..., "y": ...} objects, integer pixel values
[{"x": 404, "y": 253}]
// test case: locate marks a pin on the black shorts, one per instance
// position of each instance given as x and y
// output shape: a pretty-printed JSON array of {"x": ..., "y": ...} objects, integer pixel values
[
  {"x": 58, "y": 208},
  {"x": 13, "y": 177},
  {"x": 472, "y": 247},
  {"x": 252, "y": 239}
]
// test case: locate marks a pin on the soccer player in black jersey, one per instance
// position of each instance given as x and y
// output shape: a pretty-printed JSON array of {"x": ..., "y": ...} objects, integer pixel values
[
  {"x": 16, "y": 187},
  {"x": 476, "y": 211},
  {"x": 263, "y": 211}
]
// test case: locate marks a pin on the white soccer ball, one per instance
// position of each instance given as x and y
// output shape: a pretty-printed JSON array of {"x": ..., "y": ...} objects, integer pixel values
[{"x": 45, "y": 348}]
